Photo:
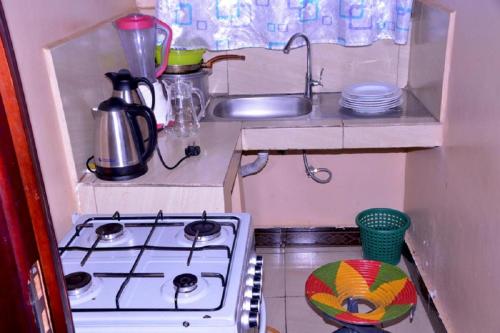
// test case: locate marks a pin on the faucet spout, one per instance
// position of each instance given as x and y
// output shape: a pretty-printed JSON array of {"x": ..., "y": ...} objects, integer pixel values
[{"x": 309, "y": 81}]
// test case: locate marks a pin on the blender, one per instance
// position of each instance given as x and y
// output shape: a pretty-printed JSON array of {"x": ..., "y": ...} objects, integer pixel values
[{"x": 138, "y": 35}]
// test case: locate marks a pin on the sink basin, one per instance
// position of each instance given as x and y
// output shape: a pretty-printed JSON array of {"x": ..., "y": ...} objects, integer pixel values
[{"x": 265, "y": 107}]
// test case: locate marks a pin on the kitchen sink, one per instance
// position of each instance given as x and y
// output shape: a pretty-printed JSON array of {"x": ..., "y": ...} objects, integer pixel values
[{"x": 262, "y": 107}]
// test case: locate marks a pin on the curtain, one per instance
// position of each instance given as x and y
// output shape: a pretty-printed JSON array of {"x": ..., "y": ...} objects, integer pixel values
[{"x": 234, "y": 24}]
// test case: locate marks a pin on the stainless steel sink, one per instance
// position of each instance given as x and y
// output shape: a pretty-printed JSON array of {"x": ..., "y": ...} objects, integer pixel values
[{"x": 262, "y": 107}]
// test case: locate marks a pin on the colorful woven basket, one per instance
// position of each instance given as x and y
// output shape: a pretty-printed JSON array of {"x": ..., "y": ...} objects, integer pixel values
[{"x": 384, "y": 286}]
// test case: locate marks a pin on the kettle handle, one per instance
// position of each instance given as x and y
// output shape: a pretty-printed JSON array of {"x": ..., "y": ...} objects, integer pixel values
[
  {"x": 151, "y": 89},
  {"x": 145, "y": 112}
]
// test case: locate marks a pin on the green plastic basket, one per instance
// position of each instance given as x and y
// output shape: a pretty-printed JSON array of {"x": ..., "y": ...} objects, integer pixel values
[{"x": 382, "y": 233}]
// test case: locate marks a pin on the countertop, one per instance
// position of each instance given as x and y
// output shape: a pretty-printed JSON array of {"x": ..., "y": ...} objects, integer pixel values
[
  {"x": 329, "y": 126},
  {"x": 218, "y": 144},
  {"x": 207, "y": 181}
]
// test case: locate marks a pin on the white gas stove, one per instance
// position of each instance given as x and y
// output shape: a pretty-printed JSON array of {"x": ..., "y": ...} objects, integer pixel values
[{"x": 163, "y": 273}]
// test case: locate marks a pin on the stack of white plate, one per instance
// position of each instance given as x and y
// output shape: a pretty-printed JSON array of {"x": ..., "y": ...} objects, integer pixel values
[{"x": 371, "y": 98}]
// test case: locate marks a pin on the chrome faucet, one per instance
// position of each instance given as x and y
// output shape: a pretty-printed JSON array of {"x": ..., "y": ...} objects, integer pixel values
[{"x": 309, "y": 81}]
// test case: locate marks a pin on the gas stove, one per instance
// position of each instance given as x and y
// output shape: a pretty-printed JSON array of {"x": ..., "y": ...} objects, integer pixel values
[{"x": 163, "y": 273}]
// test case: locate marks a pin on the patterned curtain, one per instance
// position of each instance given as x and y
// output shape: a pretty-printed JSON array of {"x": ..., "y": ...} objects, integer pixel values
[{"x": 234, "y": 24}]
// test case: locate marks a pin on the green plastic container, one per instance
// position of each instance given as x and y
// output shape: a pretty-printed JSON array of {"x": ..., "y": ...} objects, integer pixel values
[{"x": 382, "y": 233}]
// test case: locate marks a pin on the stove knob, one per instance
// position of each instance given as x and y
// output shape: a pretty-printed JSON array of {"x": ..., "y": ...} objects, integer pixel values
[
  {"x": 247, "y": 304},
  {"x": 258, "y": 269},
  {"x": 252, "y": 304},
  {"x": 257, "y": 260},
  {"x": 257, "y": 280},
  {"x": 251, "y": 292},
  {"x": 256, "y": 292},
  {"x": 253, "y": 319},
  {"x": 255, "y": 304},
  {"x": 249, "y": 319},
  {"x": 249, "y": 281},
  {"x": 251, "y": 270}
]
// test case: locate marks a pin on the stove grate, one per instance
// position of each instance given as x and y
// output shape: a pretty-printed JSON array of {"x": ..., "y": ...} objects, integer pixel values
[{"x": 142, "y": 248}]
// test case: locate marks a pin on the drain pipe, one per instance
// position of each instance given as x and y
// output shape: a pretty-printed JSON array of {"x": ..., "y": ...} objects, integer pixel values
[{"x": 256, "y": 166}]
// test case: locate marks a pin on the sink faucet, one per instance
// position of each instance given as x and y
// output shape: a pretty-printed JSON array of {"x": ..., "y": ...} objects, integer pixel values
[{"x": 309, "y": 81}]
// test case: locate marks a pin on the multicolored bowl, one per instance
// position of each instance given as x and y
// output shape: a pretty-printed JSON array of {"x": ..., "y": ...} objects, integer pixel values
[{"x": 382, "y": 285}]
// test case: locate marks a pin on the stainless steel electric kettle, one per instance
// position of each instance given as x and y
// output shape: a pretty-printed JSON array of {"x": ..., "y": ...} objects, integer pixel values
[
  {"x": 119, "y": 152},
  {"x": 126, "y": 87}
]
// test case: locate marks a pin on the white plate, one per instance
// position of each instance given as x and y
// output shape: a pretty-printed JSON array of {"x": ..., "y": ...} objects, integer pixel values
[
  {"x": 371, "y": 106},
  {"x": 363, "y": 111},
  {"x": 391, "y": 101},
  {"x": 372, "y": 100},
  {"x": 371, "y": 90}
]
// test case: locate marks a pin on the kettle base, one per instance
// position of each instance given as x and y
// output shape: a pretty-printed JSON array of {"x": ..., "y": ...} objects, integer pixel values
[{"x": 123, "y": 173}]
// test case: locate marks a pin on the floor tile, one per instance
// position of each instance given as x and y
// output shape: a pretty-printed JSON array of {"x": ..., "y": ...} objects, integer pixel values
[
  {"x": 299, "y": 265},
  {"x": 275, "y": 310},
  {"x": 274, "y": 274},
  {"x": 301, "y": 318}
]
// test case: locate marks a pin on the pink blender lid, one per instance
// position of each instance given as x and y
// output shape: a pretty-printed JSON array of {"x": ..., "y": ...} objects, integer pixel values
[{"x": 135, "y": 22}]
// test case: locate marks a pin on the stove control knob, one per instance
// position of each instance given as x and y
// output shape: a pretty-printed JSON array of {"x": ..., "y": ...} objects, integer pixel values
[
  {"x": 251, "y": 292},
  {"x": 258, "y": 269},
  {"x": 257, "y": 280},
  {"x": 256, "y": 292},
  {"x": 254, "y": 319},
  {"x": 247, "y": 304},
  {"x": 252, "y": 304},
  {"x": 249, "y": 319},
  {"x": 252, "y": 270},
  {"x": 257, "y": 260},
  {"x": 255, "y": 304},
  {"x": 249, "y": 281}
]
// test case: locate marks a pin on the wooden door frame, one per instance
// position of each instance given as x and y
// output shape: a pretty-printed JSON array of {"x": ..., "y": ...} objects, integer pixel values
[{"x": 25, "y": 217}]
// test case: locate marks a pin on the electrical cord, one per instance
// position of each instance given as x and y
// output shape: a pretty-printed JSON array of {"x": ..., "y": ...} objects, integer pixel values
[
  {"x": 312, "y": 171},
  {"x": 189, "y": 151}
]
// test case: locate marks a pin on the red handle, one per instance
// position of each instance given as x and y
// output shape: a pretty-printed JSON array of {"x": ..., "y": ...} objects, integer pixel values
[{"x": 165, "y": 47}]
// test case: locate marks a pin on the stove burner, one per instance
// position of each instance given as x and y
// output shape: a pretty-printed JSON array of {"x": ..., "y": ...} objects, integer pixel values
[
  {"x": 77, "y": 283},
  {"x": 110, "y": 231},
  {"x": 207, "y": 230},
  {"x": 186, "y": 283}
]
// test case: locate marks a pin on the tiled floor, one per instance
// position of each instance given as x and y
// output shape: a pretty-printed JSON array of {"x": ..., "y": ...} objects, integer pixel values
[{"x": 285, "y": 273}]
